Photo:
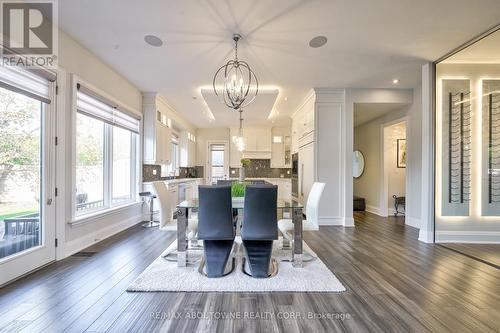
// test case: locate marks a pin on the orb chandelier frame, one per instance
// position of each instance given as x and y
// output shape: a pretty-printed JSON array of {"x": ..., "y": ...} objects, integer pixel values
[{"x": 233, "y": 81}]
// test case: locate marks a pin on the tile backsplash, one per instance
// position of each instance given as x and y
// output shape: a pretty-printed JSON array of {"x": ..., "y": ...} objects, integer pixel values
[
  {"x": 151, "y": 173},
  {"x": 261, "y": 168}
]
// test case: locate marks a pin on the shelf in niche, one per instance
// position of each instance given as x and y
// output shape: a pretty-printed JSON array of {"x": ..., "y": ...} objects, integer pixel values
[
  {"x": 456, "y": 153},
  {"x": 491, "y": 147}
]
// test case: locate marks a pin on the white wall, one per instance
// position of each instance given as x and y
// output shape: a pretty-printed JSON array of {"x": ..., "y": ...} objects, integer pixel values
[{"x": 75, "y": 59}]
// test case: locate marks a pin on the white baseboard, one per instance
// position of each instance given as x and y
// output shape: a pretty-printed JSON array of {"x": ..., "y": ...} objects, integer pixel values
[
  {"x": 81, "y": 243},
  {"x": 426, "y": 236},
  {"x": 374, "y": 210},
  {"x": 336, "y": 220},
  {"x": 331, "y": 220},
  {"x": 412, "y": 222},
  {"x": 481, "y": 237},
  {"x": 349, "y": 222}
]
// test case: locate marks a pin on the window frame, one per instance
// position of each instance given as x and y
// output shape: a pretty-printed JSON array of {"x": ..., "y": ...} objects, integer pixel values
[
  {"x": 172, "y": 169},
  {"x": 133, "y": 168},
  {"x": 135, "y": 173}
]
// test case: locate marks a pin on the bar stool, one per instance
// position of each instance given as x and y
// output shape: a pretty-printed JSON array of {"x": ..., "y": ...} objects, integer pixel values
[{"x": 151, "y": 223}]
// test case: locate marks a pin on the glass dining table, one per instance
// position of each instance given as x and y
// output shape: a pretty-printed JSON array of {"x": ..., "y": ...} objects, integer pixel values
[{"x": 294, "y": 207}]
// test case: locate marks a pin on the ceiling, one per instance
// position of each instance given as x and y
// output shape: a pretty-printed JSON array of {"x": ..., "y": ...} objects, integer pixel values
[
  {"x": 254, "y": 114},
  {"x": 486, "y": 50},
  {"x": 369, "y": 42},
  {"x": 364, "y": 112}
]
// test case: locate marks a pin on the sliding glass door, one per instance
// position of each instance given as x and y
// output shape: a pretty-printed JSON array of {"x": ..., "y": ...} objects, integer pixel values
[{"x": 27, "y": 222}]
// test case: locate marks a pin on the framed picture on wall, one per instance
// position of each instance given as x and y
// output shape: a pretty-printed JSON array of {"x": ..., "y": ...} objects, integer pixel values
[{"x": 401, "y": 158}]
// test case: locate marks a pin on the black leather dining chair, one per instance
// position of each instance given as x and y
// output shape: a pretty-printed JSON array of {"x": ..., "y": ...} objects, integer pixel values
[
  {"x": 216, "y": 229},
  {"x": 229, "y": 182},
  {"x": 259, "y": 230}
]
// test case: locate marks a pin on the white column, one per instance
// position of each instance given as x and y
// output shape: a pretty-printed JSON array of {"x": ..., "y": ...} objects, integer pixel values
[
  {"x": 426, "y": 233},
  {"x": 332, "y": 167}
]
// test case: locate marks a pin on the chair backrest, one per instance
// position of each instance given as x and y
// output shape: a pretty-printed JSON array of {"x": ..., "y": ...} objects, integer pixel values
[
  {"x": 215, "y": 214},
  {"x": 164, "y": 202},
  {"x": 224, "y": 182},
  {"x": 260, "y": 218},
  {"x": 312, "y": 207}
]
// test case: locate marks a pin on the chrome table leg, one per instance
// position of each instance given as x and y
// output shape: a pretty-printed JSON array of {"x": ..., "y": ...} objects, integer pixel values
[
  {"x": 297, "y": 237},
  {"x": 182, "y": 242}
]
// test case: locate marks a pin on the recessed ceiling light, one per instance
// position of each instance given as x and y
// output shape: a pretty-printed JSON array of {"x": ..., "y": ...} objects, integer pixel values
[
  {"x": 153, "y": 40},
  {"x": 318, "y": 41},
  {"x": 395, "y": 81},
  {"x": 286, "y": 99}
]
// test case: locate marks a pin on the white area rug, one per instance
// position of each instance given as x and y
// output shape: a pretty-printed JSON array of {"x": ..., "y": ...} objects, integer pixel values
[{"x": 163, "y": 275}]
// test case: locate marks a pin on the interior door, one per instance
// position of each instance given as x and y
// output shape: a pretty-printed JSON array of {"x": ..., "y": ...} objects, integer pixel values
[
  {"x": 27, "y": 156},
  {"x": 218, "y": 162}
]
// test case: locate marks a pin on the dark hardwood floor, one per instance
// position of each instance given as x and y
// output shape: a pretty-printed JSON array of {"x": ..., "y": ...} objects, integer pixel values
[
  {"x": 489, "y": 253},
  {"x": 394, "y": 284}
]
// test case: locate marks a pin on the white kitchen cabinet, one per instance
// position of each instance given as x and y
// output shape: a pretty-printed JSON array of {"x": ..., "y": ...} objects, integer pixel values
[
  {"x": 306, "y": 171},
  {"x": 157, "y": 135},
  {"x": 303, "y": 123},
  {"x": 187, "y": 148},
  {"x": 280, "y": 147},
  {"x": 257, "y": 139},
  {"x": 263, "y": 140},
  {"x": 295, "y": 136},
  {"x": 257, "y": 145},
  {"x": 278, "y": 156}
]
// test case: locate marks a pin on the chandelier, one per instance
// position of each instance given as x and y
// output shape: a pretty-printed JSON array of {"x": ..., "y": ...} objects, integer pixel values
[
  {"x": 238, "y": 139},
  {"x": 235, "y": 81}
]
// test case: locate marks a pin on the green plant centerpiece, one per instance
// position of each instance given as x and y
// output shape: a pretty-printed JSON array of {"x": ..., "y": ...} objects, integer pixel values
[
  {"x": 245, "y": 162},
  {"x": 238, "y": 189}
]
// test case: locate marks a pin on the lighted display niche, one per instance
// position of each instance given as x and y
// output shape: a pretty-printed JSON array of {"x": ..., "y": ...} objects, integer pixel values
[
  {"x": 456, "y": 148},
  {"x": 491, "y": 148}
]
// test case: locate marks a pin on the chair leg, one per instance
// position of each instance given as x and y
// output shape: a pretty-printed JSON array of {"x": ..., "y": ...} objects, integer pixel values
[
  {"x": 287, "y": 245},
  {"x": 258, "y": 254},
  {"x": 217, "y": 253}
]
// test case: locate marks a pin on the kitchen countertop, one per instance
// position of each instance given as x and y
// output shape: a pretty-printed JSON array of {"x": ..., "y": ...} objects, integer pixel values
[
  {"x": 262, "y": 178},
  {"x": 177, "y": 180}
]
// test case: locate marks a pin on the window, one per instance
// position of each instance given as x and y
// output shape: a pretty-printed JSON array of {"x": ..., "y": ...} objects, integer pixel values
[
  {"x": 123, "y": 164},
  {"x": 173, "y": 167},
  {"x": 106, "y": 154},
  {"x": 217, "y": 167},
  {"x": 89, "y": 162}
]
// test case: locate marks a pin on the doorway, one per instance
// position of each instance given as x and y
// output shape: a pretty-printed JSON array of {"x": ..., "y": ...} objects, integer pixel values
[
  {"x": 218, "y": 162},
  {"x": 27, "y": 218},
  {"x": 394, "y": 169},
  {"x": 379, "y": 158}
]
